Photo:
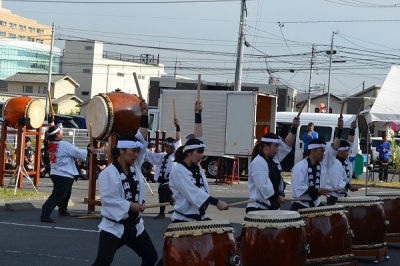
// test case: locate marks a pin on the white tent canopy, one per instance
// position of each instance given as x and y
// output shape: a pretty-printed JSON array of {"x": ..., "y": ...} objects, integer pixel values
[{"x": 386, "y": 107}]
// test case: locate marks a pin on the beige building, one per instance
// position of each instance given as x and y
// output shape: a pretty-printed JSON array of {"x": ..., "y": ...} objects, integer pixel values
[
  {"x": 19, "y": 28},
  {"x": 62, "y": 90},
  {"x": 317, "y": 100}
]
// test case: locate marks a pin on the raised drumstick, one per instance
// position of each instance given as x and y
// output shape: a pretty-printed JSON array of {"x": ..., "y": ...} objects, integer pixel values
[
  {"x": 359, "y": 111},
  {"x": 50, "y": 104},
  {"x": 301, "y": 108},
  {"x": 173, "y": 104},
  {"x": 198, "y": 87},
  {"x": 137, "y": 86},
  {"x": 341, "y": 111}
]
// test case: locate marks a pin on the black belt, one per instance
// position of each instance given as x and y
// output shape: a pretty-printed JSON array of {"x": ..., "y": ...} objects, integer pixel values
[
  {"x": 128, "y": 221},
  {"x": 192, "y": 216}
]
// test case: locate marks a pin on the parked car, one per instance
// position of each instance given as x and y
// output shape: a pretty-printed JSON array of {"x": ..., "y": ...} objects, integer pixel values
[
  {"x": 66, "y": 121},
  {"x": 80, "y": 121}
]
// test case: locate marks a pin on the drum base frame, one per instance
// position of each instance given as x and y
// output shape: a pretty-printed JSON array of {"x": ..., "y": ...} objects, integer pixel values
[
  {"x": 342, "y": 260},
  {"x": 392, "y": 237},
  {"x": 378, "y": 252}
]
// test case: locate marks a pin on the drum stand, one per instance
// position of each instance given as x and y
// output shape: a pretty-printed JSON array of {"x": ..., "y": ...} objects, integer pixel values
[
  {"x": 377, "y": 252},
  {"x": 18, "y": 171}
]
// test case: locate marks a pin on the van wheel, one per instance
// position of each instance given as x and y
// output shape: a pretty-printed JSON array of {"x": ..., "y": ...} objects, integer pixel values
[{"x": 210, "y": 165}]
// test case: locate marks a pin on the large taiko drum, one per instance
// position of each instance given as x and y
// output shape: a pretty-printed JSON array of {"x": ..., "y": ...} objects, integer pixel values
[
  {"x": 273, "y": 238},
  {"x": 201, "y": 243},
  {"x": 367, "y": 220},
  {"x": 113, "y": 112},
  {"x": 328, "y": 234},
  {"x": 24, "y": 107},
  {"x": 391, "y": 206}
]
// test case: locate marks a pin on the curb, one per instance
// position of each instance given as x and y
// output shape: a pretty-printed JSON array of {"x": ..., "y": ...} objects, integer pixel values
[{"x": 23, "y": 199}]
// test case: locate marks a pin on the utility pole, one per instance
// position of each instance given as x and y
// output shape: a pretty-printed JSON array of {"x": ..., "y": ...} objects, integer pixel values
[
  {"x": 176, "y": 62},
  {"x": 309, "y": 82},
  {"x": 240, "y": 48},
  {"x": 50, "y": 69},
  {"x": 363, "y": 85},
  {"x": 329, "y": 78}
]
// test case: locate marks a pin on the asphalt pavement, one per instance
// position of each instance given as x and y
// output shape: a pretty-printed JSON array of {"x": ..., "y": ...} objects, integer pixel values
[{"x": 71, "y": 241}]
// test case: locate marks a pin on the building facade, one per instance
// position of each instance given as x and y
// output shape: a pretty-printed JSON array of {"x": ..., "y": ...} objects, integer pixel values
[
  {"x": 23, "y": 29},
  {"x": 98, "y": 71},
  {"x": 28, "y": 57}
]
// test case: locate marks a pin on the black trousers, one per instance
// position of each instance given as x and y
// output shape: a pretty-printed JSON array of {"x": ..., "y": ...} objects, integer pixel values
[
  {"x": 164, "y": 192},
  {"x": 142, "y": 245},
  {"x": 331, "y": 200},
  {"x": 60, "y": 195},
  {"x": 383, "y": 169}
]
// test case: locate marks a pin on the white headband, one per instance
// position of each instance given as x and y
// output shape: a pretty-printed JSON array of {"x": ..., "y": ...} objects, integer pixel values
[
  {"x": 316, "y": 146},
  {"x": 344, "y": 148},
  {"x": 169, "y": 143},
  {"x": 270, "y": 140},
  {"x": 54, "y": 131},
  {"x": 194, "y": 146},
  {"x": 128, "y": 144}
]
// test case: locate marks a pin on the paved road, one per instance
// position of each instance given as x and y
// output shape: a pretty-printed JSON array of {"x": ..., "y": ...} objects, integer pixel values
[{"x": 71, "y": 241}]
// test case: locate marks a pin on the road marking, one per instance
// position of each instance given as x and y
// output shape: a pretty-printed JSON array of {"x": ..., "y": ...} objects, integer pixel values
[
  {"x": 52, "y": 227},
  {"x": 39, "y": 254}
]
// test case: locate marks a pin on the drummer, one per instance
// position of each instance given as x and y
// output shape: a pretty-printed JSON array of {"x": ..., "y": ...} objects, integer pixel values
[
  {"x": 188, "y": 181},
  {"x": 309, "y": 175},
  {"x": 266, "y": 183},
  {"x": 340, "y": 173}
]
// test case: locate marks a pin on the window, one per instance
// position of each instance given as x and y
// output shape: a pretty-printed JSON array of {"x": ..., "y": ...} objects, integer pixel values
[
  {"x": 13, "y": 25},
  {"x": 28, "y": 89},
  {"x": 21, "y": 38},
  {"x": 31, "y": 29},
  {"x": 42, "y": 90},
  {"x": 87, "y": 71},
  {"x": 120, "y": 74},
  {"x": 30, "y": 39},
  {"x": 40, "y": 31},
  {"x": 88, "y": 48},
  {"x": 85, "y": 93},
  {"x": 39, "y": 41},
  {"x": 3, "y": 23},
  {"x": 288, "y": 101},
  {"x": 324, "y": 133},
  {"x": 3, "y": 34},
  {"x": 141, "y": 77},
  {"x": 12, "y": 36},
  {"x": 22, "y": 27}
]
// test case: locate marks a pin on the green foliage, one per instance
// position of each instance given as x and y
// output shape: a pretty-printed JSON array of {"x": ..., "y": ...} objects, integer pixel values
[
  {"x": 394, "y": 153},
  {"x": 75, "y": 112}
]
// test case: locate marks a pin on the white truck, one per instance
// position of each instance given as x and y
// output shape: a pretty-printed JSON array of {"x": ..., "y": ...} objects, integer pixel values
[{"x": 232, "y": 121}]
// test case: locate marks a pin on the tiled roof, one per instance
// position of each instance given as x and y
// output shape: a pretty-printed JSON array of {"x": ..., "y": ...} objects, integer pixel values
[
  {"x": 65, "y": 98},
  {"x": 39, "y": 78}
]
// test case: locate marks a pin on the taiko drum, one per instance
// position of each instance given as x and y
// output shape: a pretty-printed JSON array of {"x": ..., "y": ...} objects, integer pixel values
[{"x": 24, "y": 107}]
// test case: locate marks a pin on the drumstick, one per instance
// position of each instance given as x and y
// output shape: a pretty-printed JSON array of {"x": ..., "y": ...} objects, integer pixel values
[
  {"x": 51, "y": 105},
  {"x": 90, "y": 135},
  {"x": 198, "y": 87},
  {"x": 173, "y": 104},
  {"x": 137, "y": 86},
  {"x": 301, "y": 108},
  {"x": 337, "y": 189},
  {"x": 359, "y": 111},
  {"x": 296, "y": 199},
  {"x": 241, "y": 202},
  {"x": 341, "y": 111},
  {"x": 89, "y": 216},
  {"x": 157, "y": 205}
]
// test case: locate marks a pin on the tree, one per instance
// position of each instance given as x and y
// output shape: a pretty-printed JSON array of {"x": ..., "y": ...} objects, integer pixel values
[{"x": 394, "y": 155}]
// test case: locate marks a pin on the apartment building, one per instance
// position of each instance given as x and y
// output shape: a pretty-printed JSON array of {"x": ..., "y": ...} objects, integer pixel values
[{"x": 23, "y": 29}]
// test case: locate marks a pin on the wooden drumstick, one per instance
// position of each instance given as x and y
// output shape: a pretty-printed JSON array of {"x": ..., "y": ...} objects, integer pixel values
[
  {"x": 50, "y": 104},
  {"x": 137, "y": 86},
  {"x": 337, "y": 189},
  {"x": 296, "y": 199},
  {"x": 198, "y": 87},
  {"x": 301, "y": 108},
  {"x": 341, "y": 111},
  {"x": 241, "y": 202},
  {"x": 90, "y": 135},
  {"x": 157, "y": 205},
  {"x": 89, "y": 216},
  {"x": 359, "y": 111},
  {"x": 173, "y": 104}
]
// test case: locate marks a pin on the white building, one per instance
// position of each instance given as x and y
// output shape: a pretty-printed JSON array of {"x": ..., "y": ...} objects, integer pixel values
[{"x": 98, "y": 71}]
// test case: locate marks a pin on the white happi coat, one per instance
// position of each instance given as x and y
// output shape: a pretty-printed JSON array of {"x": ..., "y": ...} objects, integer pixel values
[
  {"x": 300, "y": 179},
  {"x": 157, "y": 158},
  {"x": 259, "y": 184},
  {"x": 337, "y": 177},
  {"x": 112, "y": 195},
  {"x": 188, "y": 197}
]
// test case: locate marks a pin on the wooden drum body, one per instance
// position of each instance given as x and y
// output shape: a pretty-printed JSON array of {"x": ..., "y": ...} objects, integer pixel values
[
  {"x": 24, "y": 107},
  {"x": 367, "y": 220},
  {"x": 200, "y": 243},
  {"x": 391, "y": 206},
  {"x": 113, "y": 112},
  {"x": 273, "y": 238},
  {"x": 328, "y": 234}
]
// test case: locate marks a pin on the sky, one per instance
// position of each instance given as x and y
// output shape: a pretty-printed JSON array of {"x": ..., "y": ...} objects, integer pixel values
[{"x": 201, "y": 37}]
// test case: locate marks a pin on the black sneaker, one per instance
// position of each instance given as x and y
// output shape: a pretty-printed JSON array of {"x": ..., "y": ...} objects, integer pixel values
[
  {"x": 47, "y": 219},
  {"x": 160, "y": 216}
]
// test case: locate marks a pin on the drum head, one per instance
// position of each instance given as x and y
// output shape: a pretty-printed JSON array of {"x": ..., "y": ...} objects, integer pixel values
[
  {"x": 359, "y": 201},
  {"x": 273, "y": 219},
  {"x": 198, "y": 228},
  {"x": 100, "y": 116},
  {"x": 385, "y": 194},
  {"x": 322, "y": 211},
  {"x": 35, "y": 111}
]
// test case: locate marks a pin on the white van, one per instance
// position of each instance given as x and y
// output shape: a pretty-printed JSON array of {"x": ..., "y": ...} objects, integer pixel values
[{"x": 324, "y": 124}]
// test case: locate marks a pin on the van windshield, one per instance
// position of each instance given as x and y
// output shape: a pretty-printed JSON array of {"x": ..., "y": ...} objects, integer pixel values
[{"x": 324, "y": 133}]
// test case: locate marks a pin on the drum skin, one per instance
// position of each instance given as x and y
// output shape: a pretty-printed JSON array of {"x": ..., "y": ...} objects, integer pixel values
[
  {"x": 120, "y": 114},
  {"x": 328, "y": 235},
  {"x": 17, "y": 107},
  {"x": 367, "y": 221},
  {"x": 273, "y": 247},
  {"x": 391, "y": 206},
  {"x": 203, "y": 250}
]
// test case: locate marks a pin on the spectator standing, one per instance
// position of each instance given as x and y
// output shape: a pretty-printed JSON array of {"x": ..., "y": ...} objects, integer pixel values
[
  {"x": 383, "y": 147},
  {"x": 307, "y": 137},
  {"x": 28, "y": 159}
]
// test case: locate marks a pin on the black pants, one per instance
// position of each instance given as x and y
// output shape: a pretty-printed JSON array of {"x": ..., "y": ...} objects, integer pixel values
[
  {"x": 60, "y": 195},
  {"x": 297, "y": 206},
  {"x": 383, "y": 169},
  {"x": 331, "y": 200},
  {"x": 164, "y": 194},
  {"x": 142, "y": 245}
]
